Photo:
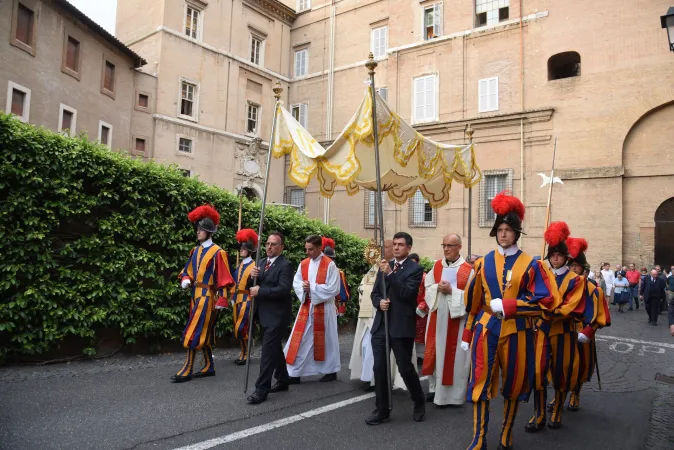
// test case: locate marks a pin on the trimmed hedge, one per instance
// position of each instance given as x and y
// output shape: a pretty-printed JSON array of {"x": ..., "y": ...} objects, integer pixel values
[{"x": 92, "y": 239}]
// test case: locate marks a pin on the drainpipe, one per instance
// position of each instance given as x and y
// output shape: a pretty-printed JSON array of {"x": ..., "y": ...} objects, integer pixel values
[
  {"x": 522, "y": 192},
  {"x": 331, "y": 87}
]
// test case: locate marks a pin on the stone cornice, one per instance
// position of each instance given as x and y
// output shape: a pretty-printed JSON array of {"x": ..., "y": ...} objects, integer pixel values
[
  {"x": 275, "y": 8},
  {"x": 489, "y": 121},
  {"x": 590, "y": 172}
]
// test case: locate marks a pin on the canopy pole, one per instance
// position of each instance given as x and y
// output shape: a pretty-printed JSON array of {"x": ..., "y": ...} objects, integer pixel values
[
  {"x": 547, "y": 211},
  {"x": 371, "y": 65},
  {"x": 277, "y": 95},
  {"x": 469, "y": 133}
]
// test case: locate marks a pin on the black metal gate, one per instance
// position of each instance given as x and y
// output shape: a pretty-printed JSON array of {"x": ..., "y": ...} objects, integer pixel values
[{"x": 664, "y": 233}]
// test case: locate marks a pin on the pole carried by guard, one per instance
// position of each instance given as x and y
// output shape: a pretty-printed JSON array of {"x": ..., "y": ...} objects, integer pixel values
[
  {"x": 277, "y": 95},
  {"x": 547, "y": 211},
  {"x": 371, "y": 65}
]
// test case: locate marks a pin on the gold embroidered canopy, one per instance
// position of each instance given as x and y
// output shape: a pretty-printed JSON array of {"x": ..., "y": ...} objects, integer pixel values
[{"x": 408, "y": 160}]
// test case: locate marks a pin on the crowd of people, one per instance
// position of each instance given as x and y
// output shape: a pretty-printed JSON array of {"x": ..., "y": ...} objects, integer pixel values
[{"x": 527, "y": 321}]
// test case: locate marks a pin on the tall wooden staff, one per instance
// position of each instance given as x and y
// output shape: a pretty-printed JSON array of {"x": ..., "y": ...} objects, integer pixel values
[
  {"x": 469, "y": 133},
  {"x": 371, "y": 65},
  {"x": 277, "y": 95},
  {"x": 547, "y": 212},
  {"x": 239, "y": 228}
]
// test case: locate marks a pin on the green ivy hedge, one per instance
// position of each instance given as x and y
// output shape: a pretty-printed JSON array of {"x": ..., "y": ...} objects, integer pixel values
[{"x": 92, "y": 239}]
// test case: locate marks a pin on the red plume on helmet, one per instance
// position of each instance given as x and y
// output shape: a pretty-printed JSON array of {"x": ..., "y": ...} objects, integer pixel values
[
  {"x": 557, "y": 233},
  {"x": 505, "y": 203},
  {"x": 247, "y": 235},
  {"x": 576, "y": 246},
  {"x": 204, "y": 212},
  {"x": 327, "y": 242}
]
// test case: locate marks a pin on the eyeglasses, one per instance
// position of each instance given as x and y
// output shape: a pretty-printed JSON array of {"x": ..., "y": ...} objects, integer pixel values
[
  {"x": 272, "y": 244},
  {"x": 449, "y": 245}
]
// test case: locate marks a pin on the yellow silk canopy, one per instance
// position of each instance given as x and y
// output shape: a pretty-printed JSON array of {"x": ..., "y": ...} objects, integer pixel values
[{"x": 408, "y": 160}]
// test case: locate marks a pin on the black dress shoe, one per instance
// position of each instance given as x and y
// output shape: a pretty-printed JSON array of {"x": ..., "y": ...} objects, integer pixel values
[
  {"x": 551, "y": 406},
  {"x": 419, "y": 412},
  {"x": 294, "y": 380},
  {"x": 240, "y": 362},
  {"x": 504, "y": 447},
  {"x": 237, "y": 361},
  {"x": 279, "y": 387},
  {"x": 554, "y": 425},
  {"x": 256, "y": 398},
  {"x": 180, "y": 379},
  {"x": 328, "y": 377},
  {"x": 377, "y": 418},
  {"x": 533, "y": 427},
  {"x": 572, "y": 408},
  {"x": 204, "y": 374},
  {"x": 430, "y": 397}
]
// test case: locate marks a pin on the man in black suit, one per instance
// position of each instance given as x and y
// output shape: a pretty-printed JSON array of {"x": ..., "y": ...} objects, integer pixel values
[
  {"x": 652, "y": 293},
  {"x": 273, "y": 309},
  {"x": 402, "y": 277}
]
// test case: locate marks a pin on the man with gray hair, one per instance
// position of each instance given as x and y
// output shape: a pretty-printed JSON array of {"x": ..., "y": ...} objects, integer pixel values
[{"x": 447, "y": 368}]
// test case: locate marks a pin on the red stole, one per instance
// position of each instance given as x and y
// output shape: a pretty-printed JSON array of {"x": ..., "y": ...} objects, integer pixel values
[
  {"x": 303, "y": 316},
  {"x": 462, "y": 276}
]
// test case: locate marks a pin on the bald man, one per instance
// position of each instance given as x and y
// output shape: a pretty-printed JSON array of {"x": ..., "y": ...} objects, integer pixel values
[{"x": 446, "y": 365}]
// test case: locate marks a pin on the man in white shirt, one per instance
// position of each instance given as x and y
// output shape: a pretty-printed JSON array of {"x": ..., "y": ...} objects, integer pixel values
[{"x": 313, "y": 347}]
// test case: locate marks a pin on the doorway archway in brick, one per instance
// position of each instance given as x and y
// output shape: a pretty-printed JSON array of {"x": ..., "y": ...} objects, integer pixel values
[{"x": 664, "y": 233}]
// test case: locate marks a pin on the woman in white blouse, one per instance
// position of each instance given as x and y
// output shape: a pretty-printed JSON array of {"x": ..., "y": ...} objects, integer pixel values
[{"x": 608, "y": 277}]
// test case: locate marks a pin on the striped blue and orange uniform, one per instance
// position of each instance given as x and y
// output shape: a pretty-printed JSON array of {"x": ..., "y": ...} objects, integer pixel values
[
  {"x": 596, "y": 316},
  {"x": 505, "y": 345},
  {"x": 343, "y": 296},
  {"x": 557, "y": 355},
  {"x": 241, "y": 297},
  {"x": 208, "y": 271}
]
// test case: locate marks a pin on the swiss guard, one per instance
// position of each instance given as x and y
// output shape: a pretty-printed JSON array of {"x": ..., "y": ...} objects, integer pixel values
[
  {"x": 507, "y": 289},
  {"x": 556, "y": 338},
  {"x": 207, "y": 273},
  {"x": 240, "y": 295},
  {"x": 343, "y": 297}
]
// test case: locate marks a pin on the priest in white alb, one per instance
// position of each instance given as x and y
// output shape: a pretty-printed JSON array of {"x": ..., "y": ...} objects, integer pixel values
[
  {"x": 313, "y": 347},
  {"x": 446, "y": 365}
]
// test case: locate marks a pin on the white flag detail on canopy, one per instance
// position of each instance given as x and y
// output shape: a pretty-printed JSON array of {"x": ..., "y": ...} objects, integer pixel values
[{"x": 408, "y": 160}]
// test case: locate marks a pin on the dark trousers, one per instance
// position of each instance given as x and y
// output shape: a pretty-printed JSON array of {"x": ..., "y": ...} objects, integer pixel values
[
  {"x": 402, "y": 350},
  {"x": 653, "y": 309},
  {"x": 272, "y": 360}
]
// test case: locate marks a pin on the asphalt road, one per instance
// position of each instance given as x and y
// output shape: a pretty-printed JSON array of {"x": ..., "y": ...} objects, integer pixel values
[{"x": 127, "y": 402}]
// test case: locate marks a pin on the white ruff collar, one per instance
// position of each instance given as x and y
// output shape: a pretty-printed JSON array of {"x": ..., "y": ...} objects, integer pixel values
[
  {"x": 561, "y": 271},
  {"x": 508, "y": 251},
  {"x": 207, "y": 243}
]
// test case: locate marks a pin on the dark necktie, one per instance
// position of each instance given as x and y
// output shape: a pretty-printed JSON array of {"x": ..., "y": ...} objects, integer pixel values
[
  {"x": 396, "y": 267},
  {"x": 267, "y": 266}
]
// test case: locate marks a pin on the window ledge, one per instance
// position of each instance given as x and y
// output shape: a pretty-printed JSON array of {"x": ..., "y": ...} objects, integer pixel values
[
  {"x": 190, "y": 118},
  {"x": 110, "y": 94},
  {"x": 71, "y": 72}
]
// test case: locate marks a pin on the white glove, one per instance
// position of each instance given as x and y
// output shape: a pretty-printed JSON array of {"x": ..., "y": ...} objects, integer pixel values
[
  {"x": 583, "y": 339},
  {"x": 421, "y": 313},
  {"x": 465, "y": 346},
  {"x": 185, "y": 283},
  {"x": 496, "y": 305}
]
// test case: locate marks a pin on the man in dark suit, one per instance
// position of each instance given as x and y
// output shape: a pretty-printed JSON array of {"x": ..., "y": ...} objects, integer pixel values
[
  {"x": 652, "y": 293},
  {"x": 402, "y": 277},
  {"x": 273, "y": 309}
]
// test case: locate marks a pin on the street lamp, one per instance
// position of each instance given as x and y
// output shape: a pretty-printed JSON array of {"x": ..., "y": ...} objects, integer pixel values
[{"x": 667, "y": 21}]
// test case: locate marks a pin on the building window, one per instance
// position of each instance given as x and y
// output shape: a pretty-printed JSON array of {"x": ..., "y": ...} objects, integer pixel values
[
  {"x": 184, "y": 145},
  {"x": 108, "y": 81},
  {"x": 192, "y": 22},
  {"x": 379, "y": 42},
  {"x": 303, "y": 5},
  {"x": 383, "y": 93},
  {"x": 295, "y": 197},
  {"x": 425, "y": 89},
  {"x": 189, "y": 95},
  {"x": 67, "y": 120},
  {"x": 71, "y": 57},
  {"x": 563, "y": 65},
  {"x": 491, "y": 12},
  {"x": 299, "y": 112},
  {"x": 488, "y": 94},
  {"x": 186, "y": 172},
  {"x": 253, "y": 116},
  {"x": 105, "y": 133},
  {"x": 140, "y": 145},
  {"x": 493, "y": 182},
  {"x": 301, "y": 62},
  {"x": 432, "y": 26},
  {"x": 18, "y": 101},
  {"x": 370, "y": 208},
  {"x": 143, "y": 100},
  {"x": 420, "y": 212},
  {"x": 23, "y": 28},
  {"x": 256, "y": 50}
]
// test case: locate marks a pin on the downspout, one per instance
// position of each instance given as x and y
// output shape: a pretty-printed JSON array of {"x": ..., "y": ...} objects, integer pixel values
[
  {"x": 522, "y": 194},
  {"x": 331, "y": 87}
]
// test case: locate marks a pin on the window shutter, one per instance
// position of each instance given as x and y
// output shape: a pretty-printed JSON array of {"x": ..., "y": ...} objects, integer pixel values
[
  {"x": 430, "y": 97},
  {"x": 483, "y": 95},
  {"x": 303, "y": 115},
  {"x": 493, "y": 94},
  {"x": 437, "y": 20},
  {"x": 419, "y": 98}
]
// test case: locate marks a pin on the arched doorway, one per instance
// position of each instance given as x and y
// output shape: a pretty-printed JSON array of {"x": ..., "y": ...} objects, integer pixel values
[
  {"x": 664, "y": 233},
  {"x": 250, "y": 194}
]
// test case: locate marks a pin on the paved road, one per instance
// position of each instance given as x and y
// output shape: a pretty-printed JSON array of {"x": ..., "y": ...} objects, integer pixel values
[{"x": 127, "y": 402}]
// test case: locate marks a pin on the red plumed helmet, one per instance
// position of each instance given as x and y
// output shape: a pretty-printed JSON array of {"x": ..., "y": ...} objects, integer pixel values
[
  {"x": 204, "y": 212},
  {"x": 327, "y": 242},
  {"x": 245, "y": 235},
  {"x": 505, "y": 203},
  {"x": 577, "y": 246},
  {"x": 557, "y": 233}
]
